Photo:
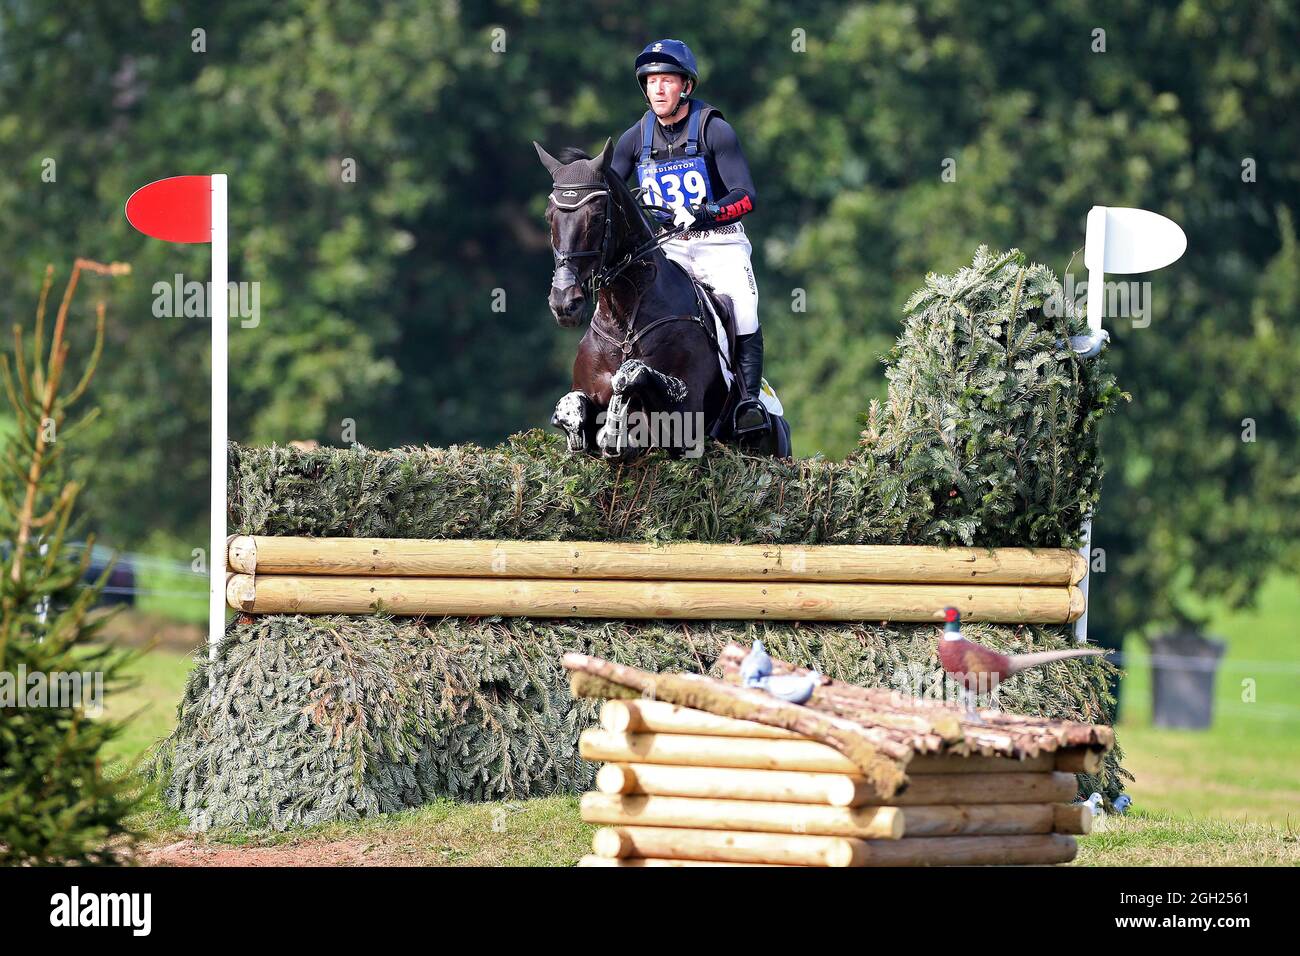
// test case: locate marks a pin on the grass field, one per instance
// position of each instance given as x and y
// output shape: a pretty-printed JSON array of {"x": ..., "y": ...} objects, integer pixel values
[
  {"x": 1247, "y": 765},
  {"x": 1227, "y": 796}
]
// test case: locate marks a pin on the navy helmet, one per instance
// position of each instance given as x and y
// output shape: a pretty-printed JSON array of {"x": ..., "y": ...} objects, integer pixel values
[{"x": 667, "y": 56}]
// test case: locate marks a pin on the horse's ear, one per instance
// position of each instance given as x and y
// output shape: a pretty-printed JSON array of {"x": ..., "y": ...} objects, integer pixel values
[
  {"x": 549, "y": 161},
  {"x": 602, "y": 161}
]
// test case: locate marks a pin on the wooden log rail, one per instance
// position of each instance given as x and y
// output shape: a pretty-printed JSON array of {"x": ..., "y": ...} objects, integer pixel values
[
  {"x": 279, "y": 575},
  {"x": 863, "y": 564},
  {"x": 805, "y": 756},
  {"x": 638, "y": 845}
]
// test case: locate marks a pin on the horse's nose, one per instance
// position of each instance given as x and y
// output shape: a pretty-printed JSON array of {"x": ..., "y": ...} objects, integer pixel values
[{"x": 566, "y": 304}]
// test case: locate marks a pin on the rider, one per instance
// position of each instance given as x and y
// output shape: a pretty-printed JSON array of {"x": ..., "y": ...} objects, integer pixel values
[{"x": 687, "y": 156}]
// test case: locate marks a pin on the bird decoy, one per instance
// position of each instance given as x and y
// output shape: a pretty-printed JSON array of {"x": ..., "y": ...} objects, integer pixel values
[
  {"x": 1086, "y": 346},
  {"x": 756, "y": 666},
  {"x": 979, "y": 668}
]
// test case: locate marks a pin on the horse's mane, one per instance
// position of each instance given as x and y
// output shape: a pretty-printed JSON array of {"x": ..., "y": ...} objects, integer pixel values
[{"x": 571, "y": 154}]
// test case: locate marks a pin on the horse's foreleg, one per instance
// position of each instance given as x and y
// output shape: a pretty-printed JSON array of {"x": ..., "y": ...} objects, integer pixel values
[
  {"x": 575, "y": 415},
  {"x": 658, "y": 389},
  {"x": 655, "y": 392}
]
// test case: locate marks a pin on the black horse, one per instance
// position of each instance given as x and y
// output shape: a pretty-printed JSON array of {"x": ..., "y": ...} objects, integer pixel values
[{"x": 648, "y": 371}]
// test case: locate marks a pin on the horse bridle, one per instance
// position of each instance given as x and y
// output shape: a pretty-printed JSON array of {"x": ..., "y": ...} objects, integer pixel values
[
  {"x": 570, "y": 197},
  {"x": 566, "y": 198}
]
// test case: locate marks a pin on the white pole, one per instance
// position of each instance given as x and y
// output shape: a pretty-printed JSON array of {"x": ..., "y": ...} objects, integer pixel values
[
  {"x": 1095, "y": 259},
  {"x": 220, "y": 309}
]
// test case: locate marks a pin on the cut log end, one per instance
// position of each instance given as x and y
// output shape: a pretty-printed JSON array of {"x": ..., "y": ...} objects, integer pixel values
[
  {"x": 1080, "y": 760},
  {"x": 1078, "y": 604},
  {"x": 1078, "y": 568},
  {"x": 611, "y": 843},
  {"x": 241, "y": 592},
  {"x": 617, "y": 716},
  {"x": 241, "y": 553},
  {"x": 1074, "y": 818},
  {"x": 614, "y": 778}
]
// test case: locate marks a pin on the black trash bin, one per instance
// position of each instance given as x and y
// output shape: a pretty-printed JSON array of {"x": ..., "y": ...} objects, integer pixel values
[{"x": 1183, "y": 666}]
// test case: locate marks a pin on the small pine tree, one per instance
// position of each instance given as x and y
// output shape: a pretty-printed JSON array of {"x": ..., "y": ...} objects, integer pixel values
[{"x": 56, "y": 804}]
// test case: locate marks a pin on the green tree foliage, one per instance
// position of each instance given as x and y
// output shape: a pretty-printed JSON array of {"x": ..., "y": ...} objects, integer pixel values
[
  {"x": 377, "y": 296},
  {"x": 56, "y": 805}
]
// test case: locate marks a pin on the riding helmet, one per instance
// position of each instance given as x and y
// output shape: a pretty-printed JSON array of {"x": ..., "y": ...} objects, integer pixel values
[{"x": 667, "y": 56}]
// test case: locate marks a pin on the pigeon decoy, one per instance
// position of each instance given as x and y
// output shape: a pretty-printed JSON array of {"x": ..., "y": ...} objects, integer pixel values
[
  {"x": 1094, "y": 803},
  {"x": 756, "y": 672},
  {"x": 1086, "y": 346},
  {"x": 792, "y": 688},
  {"x": 757, "y": 665},
  {"x": 982, "y": 668}
]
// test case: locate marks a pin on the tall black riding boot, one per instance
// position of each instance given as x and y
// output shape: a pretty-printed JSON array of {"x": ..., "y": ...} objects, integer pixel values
[{"x": 750, "y": 414}]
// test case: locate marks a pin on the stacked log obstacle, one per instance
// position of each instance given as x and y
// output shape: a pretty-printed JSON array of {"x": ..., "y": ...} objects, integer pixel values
[
  {"x": 812, "y": 785},
  {"x": 320, "y": 718},
  {"x": 557, "y": 579}
]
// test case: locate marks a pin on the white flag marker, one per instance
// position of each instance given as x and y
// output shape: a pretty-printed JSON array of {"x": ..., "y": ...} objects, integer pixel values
[{"x": 1125, "y": 241}]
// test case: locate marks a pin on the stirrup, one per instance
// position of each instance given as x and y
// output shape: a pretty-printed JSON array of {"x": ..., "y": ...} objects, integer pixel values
[{"x": 755, "y": 416}]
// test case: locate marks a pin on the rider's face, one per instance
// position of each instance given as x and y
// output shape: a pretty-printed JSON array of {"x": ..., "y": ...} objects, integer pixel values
[{"x": 665, "y": 92}]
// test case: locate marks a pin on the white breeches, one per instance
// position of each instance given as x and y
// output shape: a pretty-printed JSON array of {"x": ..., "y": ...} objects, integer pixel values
[{"x": 722, "y": 262}]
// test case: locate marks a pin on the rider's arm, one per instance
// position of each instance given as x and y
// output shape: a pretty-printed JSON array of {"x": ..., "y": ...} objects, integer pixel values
[
  {"x": 625, "y": 153},
  {"x": 730, "y": 161}
]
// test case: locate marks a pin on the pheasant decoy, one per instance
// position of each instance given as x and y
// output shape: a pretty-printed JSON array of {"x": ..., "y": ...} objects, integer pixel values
[{"x": 979, "y": 668}]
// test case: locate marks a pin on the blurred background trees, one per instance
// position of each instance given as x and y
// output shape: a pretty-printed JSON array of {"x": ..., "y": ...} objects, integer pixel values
[{"x": 385, "y": 196}]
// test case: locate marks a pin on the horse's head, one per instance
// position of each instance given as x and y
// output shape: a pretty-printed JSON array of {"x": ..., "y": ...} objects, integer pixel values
[{"x": 579, "y": 214}]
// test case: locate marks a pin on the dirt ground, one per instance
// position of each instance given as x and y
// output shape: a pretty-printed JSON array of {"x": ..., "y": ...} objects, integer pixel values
[{"x": 352, "y": 852}]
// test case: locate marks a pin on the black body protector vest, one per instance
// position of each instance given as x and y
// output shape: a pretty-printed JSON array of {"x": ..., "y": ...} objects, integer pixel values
[{"x": 673, "y": 170}]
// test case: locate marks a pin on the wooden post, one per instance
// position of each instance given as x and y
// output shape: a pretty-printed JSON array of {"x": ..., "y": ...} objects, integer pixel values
[
  {"x": 592, "y": 860},
  {"x": 638, "y": 600},
  {"x": 728, "y": 846},
  {"x": 1038, "y": 849},
  {"x": 701, "y": 751},
  {"x": 396, "y": 557},
  {"x": 978, "y": 819},
  {"x": 881, "y": 823},
  {"x": 1073, "y": 818},
  {"x": 829, "y": 789},
  {"x": 833, "y": 789},
  {"x": 657, "y": 716},
  {"x": 1080, "y": 760},
  {"x": 740, "y": 847},
  {"x": 954, "y": 763}
]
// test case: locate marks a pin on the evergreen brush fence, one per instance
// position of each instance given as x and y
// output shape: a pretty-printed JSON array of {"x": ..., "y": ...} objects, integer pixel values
[
  {"x": 988, "y": 439},
  {"x": 638, "y": 581}
]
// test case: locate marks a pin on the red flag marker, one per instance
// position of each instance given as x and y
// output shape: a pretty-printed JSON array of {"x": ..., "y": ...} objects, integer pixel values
[
  {"x": 178, "y": 209},
  {"x": 193, "y": 209}
]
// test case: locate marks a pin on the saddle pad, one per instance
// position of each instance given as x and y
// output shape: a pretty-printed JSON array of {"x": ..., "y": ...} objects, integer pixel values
[
  {"x": 724, "y": 347},
  {"x": 767, "y": 395}
]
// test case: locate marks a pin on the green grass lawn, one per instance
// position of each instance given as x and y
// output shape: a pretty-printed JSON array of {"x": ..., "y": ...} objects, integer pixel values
[
  {"x": 1228, "y": 796},
  {"x": 172, "y": 593},
  {"x": 1247, "y": 765}
]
